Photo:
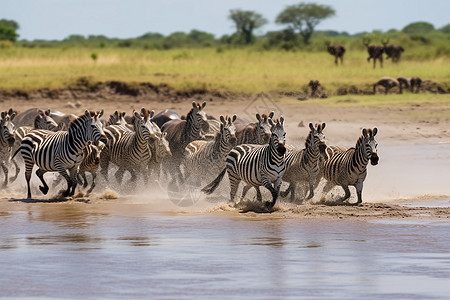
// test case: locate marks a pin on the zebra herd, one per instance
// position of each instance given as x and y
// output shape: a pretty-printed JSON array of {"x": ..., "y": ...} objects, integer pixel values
[{"x": 181, "y": 150}]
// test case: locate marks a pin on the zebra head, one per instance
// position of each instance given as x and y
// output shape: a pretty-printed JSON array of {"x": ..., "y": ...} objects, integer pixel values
[
  {"x": 117, "y": 118},
  {"x": 316, "y": 137},
  {"x": 162, "y": 148},
  {"x": 155, "y": 131},
  {"x": 371, "y": 145},
  {"x": 278, "y": 136},
  {"x": 198, "y": 116},
  {"x": 264, "y": 128},
  {"x": 94, "y": 128},
  {"x": 141, "y": 127},
  {"x": 228, "y": 130},
  {"x": 7, "y": 128},
  {"x": 44, "y": 121}
]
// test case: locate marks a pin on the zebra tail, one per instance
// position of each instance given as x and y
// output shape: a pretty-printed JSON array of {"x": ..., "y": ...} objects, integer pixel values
[
  {"x": 15, "y": 153},
  {"x": 214, "y": 184}
]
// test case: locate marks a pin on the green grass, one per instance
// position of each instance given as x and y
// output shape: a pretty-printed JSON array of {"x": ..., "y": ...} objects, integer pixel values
[{"x": 239, "y": 70}]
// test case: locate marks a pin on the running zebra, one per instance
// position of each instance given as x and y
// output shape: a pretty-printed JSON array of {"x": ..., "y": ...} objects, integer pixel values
[
  {"x": 6, "y": 141},
  {"x": 90, "y": 163},
  {"x": 60, "y": 151},
  {"x": 349, "y": 167},
  {"x": 303, "y": 166},
  {"x": 41, "y": 121},
  {"x": 257, "y": 133},
  {"x": 127, "y": 149},
  {"x": 205, "y": 159},
  {"x": 256, "y": 165}
]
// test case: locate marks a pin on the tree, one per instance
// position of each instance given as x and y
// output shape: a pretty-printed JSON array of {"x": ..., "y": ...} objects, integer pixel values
[
  {"x": 8, "y": 30},
  {"x": 304, "y": 17},
  {"x": 418, "y": 27},
  {"x": 445, "y": 29},
  {"x": 246, "y": 21}
]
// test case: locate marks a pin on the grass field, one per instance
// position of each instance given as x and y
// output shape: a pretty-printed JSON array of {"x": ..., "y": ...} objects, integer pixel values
[{"x": 237, "y": 70}]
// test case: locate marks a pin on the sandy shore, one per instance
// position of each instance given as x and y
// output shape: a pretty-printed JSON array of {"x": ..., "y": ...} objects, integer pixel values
[{"x": 395, "y": 124}]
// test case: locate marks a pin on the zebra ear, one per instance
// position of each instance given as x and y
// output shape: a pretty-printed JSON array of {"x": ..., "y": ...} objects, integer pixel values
[
  {"x": 282, "y": 120},
  {"x": 375, "y": 130},
  {"x": 11, "y": 117},
  {"x": 234, "y": 118},
  {"x": 87, "y": 113},
  {"x": 194, "y": 105},
  {"x": 203, "y": 104},
  {"x": 152, "y": 113},
  {"x": 3, "y": 115},
  {"x": 364, "y": 132},
  {"x": 271, "y": 114},
  {"x": 311, "y": 126},
  {"x": 123, "y": 114},
  {"x": 100, "y": 113},
  {"x": 136, "y": 115},
  {"x": 270, "y": 122},
  {"x": 323, "y": 125},
  {"x": 143, "y": 111},
  {"x": 47, "y": 112},
  {"x": 222, "y": 119},
  {"x": 258, "y": 117}
]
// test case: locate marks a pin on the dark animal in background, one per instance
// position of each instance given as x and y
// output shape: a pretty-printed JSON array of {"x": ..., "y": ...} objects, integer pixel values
[
  {"x": 165, "y": 116},
  {"x": 413, "y": 83},
  {"x": 387, "y": 83},
  {"x": 375, "y": 52},
  {"x": 337, "y": 50},
  {"x": 393, "y": 51},
  {"x": 314, "y": 85}
]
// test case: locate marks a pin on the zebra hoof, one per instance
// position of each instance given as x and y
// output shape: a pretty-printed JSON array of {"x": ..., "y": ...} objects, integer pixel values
[{"x": 44, "y": 190}]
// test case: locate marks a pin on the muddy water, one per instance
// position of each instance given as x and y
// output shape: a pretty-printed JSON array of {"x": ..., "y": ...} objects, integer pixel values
[{"x": 142, "y": 247}]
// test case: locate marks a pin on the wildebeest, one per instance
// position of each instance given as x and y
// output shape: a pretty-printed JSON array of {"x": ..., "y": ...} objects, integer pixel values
[
  {"x": 387, "y": 83},
  {"x": 314, "y": 85},
  {"x": 27, "y": 117},
  {"x": 337, "y": 50},
  {"x": 165, "y": 116},
  {"x": 393, "y": 51},
  {"x": 413, "y": 83},
  {"x": 375, "y": 52}
]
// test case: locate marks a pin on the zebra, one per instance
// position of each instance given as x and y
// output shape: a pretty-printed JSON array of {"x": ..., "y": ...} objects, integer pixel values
[
  {"x": 43, "y": 120},
  {"x": 204, "y": 159},
  {"x": 127, "y": 149},
  {"x": 60, "y": 151},
  {"x": 349, "y": 167},
  {"x": 159, "y": 149},
  {"x": 180, "y": 133},
  {"x": 255, "y": 133},
  {"x": 90, "y": 163},
  {"x": 304, "y": 165},
  {"x": 6, "y": 140},
  {"x": 256, "y": 165}
]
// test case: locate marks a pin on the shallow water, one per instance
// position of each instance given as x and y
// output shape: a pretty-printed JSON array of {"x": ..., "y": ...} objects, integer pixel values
[
  {"x": 142, "y": 247},
  {"x": 71, "y": 251}
]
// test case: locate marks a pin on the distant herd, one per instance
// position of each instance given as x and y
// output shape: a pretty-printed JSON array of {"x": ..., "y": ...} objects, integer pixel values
[{"x": 175, "y": 151}]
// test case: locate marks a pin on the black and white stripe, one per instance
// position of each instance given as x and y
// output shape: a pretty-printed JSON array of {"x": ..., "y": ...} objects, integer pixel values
[
  {"x": 205, "y": 159},
  {"x": 303, "y": 166},
  {"x": 6, "y": 141},
  {"x": 90, "y": 163},
  {"x": 60, "y": 151},
  {"x": 349, "y": 167},
  {"x": 256, "y": 165}
]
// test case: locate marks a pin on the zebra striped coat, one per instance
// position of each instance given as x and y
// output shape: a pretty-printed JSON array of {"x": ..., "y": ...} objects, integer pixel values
[
  {"x": 6, "y": 141},
  {"x": 349, "y": 167},
  {"x": 41, "y": 121},
  {"x": 255, "y": 133},
  {"x": 256, "y": 165},
  {"x": 60, "y": 151},
  {"x": 90, "y": 163},
  {"x": 204, "y": 159},
  {"x": 127, "y": 149},
  {"x": 303, "y": 166}
]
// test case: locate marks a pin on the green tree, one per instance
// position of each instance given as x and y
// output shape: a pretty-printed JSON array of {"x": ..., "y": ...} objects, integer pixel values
[
  {"x": 418, "y": 28},
  {"x": 304, "y": 17},
  {"x": 8, "y": 34},
  {"x": 445, "y": 29},
  {"x": 9, "y": 23},
  {"x": 246, "y": 21}
]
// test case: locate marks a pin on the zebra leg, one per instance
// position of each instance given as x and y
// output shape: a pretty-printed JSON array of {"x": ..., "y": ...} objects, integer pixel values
[
  {"x": 359, "y": 187},
  {"x": 94, "y": 175},
  {"x": 245, "y": 190},
  {"x": 44, "y": 187},
  {"x": 287, "y": 191},
  {"x": 258, "y": 193},
  {"x": 85, "y": 181},
  {"x": 347, "y": 193},
  {"x": 16, "y": 166},
  {"x": 64, "y": 174},
  {"x": 234, "y": 184},
  {"x": 312, "y": 181},
  {"x": 73, "y": 177},
  {"x": 5, "y": 170},
  {"x": 119, "y": 175}
]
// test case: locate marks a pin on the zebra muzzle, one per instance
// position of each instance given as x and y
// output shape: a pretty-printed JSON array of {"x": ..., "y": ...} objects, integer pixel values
[
  {"x": 281, "y": 149},
  {"x": 374, "y": 159},
  {"x": 11, "y": 141}
]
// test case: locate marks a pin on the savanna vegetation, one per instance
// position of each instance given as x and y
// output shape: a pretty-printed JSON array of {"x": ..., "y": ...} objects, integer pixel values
[{"x": 284, "y": 60}]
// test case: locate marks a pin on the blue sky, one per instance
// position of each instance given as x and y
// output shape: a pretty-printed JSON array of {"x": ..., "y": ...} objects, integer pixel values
[{"x": 57, "y": 19}]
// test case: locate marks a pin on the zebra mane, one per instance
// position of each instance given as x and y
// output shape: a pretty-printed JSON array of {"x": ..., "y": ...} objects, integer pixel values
[{"x": 83, "y": 117}]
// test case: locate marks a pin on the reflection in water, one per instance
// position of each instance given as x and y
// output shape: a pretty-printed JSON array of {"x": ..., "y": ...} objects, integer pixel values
[{"x": 80, "y": 251}]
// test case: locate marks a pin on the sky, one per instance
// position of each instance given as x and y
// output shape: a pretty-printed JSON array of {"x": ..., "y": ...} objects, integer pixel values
[{"x": 57, "y": 19}]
